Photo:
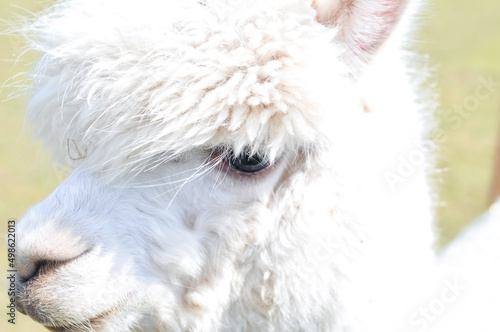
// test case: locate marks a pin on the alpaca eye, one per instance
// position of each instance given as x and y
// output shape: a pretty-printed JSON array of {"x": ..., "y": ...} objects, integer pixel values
[{"x": 247, "y": 163}]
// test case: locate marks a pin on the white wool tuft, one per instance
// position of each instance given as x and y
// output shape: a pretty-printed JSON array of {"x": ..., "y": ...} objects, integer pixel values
[{"x": 156, "y": 79}]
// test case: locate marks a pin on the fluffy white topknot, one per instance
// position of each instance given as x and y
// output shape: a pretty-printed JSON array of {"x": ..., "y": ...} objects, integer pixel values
[{"x": 156, "y": 83}]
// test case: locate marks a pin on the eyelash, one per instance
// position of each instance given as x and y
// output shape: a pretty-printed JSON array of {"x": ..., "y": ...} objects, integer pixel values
[
  {"x": 248, "y": 164},
  {"x": 244, "y": 164}
]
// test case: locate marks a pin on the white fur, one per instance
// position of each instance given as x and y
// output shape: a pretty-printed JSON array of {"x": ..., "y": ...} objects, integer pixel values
[{"x": 138, "y": 96}]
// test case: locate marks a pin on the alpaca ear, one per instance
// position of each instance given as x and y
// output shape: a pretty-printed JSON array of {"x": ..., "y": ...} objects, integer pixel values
[{"x": 363, "y": 24}]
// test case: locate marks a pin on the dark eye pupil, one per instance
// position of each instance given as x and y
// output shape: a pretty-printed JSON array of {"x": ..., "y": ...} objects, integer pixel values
[{"x": 247, "y": 163}]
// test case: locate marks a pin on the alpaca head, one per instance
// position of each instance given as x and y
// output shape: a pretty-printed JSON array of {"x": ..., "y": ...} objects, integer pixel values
[{"x": 202, "y": 136}]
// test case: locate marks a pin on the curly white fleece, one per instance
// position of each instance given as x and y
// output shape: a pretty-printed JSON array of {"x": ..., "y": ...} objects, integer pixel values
[{"x": 179, "y": 76}]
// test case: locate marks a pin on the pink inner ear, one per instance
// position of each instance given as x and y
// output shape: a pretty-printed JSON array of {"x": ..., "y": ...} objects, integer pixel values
[
  {"x": 365, "y": 24},
  {"x": 381, "y": 23},
  {"x": 328, "y": 9}
]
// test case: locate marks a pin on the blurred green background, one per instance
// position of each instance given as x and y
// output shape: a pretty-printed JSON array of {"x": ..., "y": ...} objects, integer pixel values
[{"x": 462, "y": 38}]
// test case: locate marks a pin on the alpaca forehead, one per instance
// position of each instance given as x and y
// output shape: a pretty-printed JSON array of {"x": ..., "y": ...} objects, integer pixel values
[
  {"x": 249, "y": 79},
  {"x": 243, "y": 77},
  {"x": 152, "y": 81}
]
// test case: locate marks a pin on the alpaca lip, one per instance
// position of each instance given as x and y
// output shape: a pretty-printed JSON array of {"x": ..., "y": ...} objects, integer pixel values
[
  {"x": 69, "y": 328},
  {"x": 61, "y": 328},
  {"x": 80, "y": 325},
  {"x": 20, "y": 307},
  {"x": 77, "y": 326}
]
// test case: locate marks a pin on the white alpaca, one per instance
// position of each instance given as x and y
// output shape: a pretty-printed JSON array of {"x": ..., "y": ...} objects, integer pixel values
[{"x": 232, "y": 167}]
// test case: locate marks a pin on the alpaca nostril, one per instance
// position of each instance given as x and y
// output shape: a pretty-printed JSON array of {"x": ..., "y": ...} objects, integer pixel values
[
  {"x": 38, "y": 269},
  {"x": 43, "y": 267},
  {"x": 48, "y": 248}
]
